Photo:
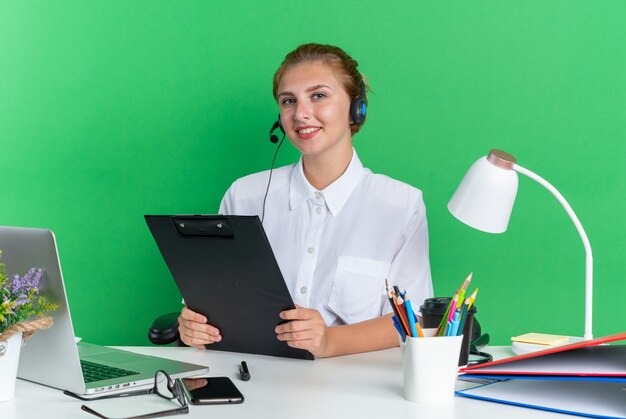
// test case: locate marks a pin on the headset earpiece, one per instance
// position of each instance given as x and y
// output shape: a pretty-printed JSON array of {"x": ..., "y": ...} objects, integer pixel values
[
  {"x": 358, "y": 107},
  {"x": 277, "y": 124}
]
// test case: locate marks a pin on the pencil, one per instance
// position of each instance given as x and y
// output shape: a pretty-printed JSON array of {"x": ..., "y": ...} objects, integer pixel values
[
  {"x": 420, "y": 332},
  {"x": 398, "y": 328},
  {"x": 463, "y": 316},
  {"x": 403, "y": 316},
  {"x": 444, "y": 319},
  {"x": 411, "y": 317},
  {"x": 472, "y": 298},
  {"x": 464, "y": 286},
  {"x": 398, "y": 312},
  {"x": 453, "y": 304}
]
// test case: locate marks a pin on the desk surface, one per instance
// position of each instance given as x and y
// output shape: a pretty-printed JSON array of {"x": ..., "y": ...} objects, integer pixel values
[{"x": 357, "y": 386}]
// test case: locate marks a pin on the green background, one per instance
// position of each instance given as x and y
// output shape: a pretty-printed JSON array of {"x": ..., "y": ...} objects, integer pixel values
[{"x": 110, "y": 110}]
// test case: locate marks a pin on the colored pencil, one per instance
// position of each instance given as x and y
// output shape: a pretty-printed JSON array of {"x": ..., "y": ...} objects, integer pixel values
[
  {"x": 444, "y": 320},
  {"x": 402, "y": 319},
  {"x": 411, "y": 317},
  {"x": 463, "y": 315},
  {"x": 472, "y": 298},
  {"x": 464, "y": 286},
  {"x": 420, "y": 332}
]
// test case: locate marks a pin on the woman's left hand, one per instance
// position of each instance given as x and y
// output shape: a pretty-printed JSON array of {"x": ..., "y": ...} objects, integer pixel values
[{"x": 304, "y": 330}]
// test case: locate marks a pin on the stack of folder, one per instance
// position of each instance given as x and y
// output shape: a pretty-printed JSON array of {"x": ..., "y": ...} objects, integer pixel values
[{"x": 586, "y": 378}]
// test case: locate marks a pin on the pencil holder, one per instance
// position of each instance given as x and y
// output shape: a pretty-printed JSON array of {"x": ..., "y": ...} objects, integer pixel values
[
  {"x": 429, "y": 367},
  {"x": 433, "y": 310}
]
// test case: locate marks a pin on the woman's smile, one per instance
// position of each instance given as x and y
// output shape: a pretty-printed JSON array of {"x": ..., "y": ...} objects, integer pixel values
[{"x": 307, "y": 132}]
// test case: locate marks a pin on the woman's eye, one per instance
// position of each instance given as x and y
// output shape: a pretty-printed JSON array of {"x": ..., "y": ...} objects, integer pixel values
[
  {"x": 288, "y": 101},
  {"x": 318, "y": 96}
]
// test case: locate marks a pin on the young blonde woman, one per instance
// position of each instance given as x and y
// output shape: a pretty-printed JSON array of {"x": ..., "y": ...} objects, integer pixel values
[{"x": 337, "y": 229}]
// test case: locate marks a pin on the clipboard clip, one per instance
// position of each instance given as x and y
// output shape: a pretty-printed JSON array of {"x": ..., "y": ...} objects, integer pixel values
[{"x": 202, "y": 227}]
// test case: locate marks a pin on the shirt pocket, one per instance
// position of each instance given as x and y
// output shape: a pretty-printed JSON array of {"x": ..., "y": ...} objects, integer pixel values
[{"x": 357, "y": 292}]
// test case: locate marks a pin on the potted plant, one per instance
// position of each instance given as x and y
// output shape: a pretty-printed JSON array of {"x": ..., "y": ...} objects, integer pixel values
[{"x": 21, "y": 314}]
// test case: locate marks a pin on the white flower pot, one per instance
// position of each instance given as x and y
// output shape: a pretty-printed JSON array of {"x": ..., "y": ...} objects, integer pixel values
[{"x": 9, "y": 358}]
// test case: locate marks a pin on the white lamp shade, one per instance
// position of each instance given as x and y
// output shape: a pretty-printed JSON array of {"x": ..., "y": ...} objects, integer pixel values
[{"x": 485, "y": 197}]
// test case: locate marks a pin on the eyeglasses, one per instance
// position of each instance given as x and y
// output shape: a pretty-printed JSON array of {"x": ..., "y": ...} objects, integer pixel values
[{"x": 164, "y": 387}]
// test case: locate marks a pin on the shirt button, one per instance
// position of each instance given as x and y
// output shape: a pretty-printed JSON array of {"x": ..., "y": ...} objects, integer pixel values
[
  {"x": 318, "y": 210},
  {"x": 310, "y": 250},
  {"x": 318, "y": 195},
  {"x": 303, "y": 290}
]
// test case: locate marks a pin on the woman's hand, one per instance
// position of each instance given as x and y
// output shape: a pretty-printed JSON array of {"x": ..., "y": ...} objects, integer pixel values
[
  {"x": 305, "y": 330},
  {"x": 194, "y": 330}
]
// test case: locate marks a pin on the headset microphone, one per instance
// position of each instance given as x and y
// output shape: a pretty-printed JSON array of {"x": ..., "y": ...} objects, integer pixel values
[
  {"x": 273, "y": 139},
  {"x": 277, "y": 124}
]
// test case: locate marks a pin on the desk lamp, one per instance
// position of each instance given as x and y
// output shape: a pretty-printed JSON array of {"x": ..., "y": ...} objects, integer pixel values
[{"x": 485, "y": 198}]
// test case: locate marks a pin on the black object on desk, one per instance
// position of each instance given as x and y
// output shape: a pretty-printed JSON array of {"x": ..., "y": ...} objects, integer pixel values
[
  {"x": 212, "y": 390},
  {"x": 164, "y": 329},
  {"x": 244, "y": 374},
  {"x": 225, "y": 269}
]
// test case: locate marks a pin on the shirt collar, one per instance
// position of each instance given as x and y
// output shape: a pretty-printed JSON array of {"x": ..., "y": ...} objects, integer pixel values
[{"x": 336, "y": 194}]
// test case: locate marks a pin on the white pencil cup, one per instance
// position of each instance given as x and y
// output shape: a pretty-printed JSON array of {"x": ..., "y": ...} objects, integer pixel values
[{"x": 430, "y": 366}]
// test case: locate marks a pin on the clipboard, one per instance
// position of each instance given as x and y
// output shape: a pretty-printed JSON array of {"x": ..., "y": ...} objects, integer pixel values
[{"x": 225, "y": 269}]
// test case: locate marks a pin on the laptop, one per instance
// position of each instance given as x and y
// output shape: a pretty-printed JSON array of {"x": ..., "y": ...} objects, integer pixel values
[{"x": 52, "y": 357}]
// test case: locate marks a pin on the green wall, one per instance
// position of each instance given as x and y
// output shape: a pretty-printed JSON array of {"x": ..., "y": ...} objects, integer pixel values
[{"x": 110, "y": 110}]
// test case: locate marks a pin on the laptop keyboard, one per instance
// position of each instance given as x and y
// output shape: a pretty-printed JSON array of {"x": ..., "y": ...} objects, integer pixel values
[{"x": 98, "y": 372}]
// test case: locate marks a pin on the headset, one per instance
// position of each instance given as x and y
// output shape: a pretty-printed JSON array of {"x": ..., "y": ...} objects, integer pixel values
[{"x": 358, "y": 107}]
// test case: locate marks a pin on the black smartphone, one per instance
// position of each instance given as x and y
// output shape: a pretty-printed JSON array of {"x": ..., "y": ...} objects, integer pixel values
[{"x": 212, "y": 390}]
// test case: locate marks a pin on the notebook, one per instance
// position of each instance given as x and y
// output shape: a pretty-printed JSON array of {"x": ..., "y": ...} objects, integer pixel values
[
  {"x": 52, "y": 357},
  {"x": 225, "y": 269}
]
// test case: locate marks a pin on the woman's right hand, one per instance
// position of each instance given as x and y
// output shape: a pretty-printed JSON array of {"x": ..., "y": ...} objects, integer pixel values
[{"x": 194, "y": 330}]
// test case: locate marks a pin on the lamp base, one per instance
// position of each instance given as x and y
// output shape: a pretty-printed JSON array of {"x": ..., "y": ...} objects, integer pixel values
[{"x": 522, "y": 348}]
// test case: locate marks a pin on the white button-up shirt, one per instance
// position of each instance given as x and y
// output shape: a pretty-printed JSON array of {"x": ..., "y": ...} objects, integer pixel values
[{"x": 336, "y": 247}]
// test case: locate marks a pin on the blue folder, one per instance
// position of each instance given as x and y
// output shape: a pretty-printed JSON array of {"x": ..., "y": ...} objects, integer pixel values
[{"x": 594, "y": 397}]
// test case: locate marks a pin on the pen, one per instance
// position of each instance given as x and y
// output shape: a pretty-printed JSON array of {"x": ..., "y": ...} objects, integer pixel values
[{"x": 244, "y": 374}]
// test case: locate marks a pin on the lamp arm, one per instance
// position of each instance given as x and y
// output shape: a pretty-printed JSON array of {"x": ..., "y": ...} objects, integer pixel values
[{"x": 581, "y": 231}]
